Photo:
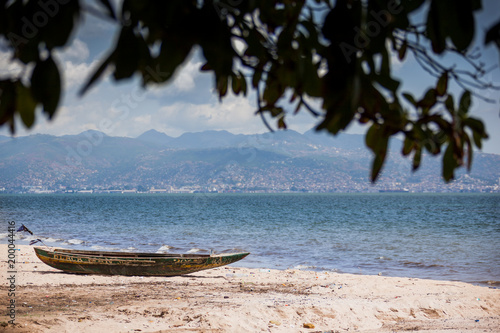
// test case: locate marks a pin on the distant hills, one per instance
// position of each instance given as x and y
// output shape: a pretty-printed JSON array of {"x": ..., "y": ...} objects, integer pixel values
[
  {"x": 225, "y": 139},
  {"x": 221, "y": 161}
]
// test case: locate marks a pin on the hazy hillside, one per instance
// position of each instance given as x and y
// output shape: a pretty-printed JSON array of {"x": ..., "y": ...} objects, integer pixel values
[{"x": 285, "y": 160}]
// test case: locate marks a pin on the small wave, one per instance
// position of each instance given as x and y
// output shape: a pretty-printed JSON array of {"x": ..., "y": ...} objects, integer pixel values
[
  {"x": 233, "y": 250},
  {"x": 21, "y": 236},
  {"x": 491, "y": 283},
  {"x": 420, "y": 265},
  {"x": 194, "y": 250},
  {"x": 304, "y": 267},
  {"x": 2, "y": 236},
  {"x": 74, "y": 241},
  {"x": 51, "y": 240},
  {"x": 98, "y": 247},
  {"x": 164, "y": 248}
]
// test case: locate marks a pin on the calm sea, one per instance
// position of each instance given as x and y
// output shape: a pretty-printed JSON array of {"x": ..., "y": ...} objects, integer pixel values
[{"x": 438, "y": 236}]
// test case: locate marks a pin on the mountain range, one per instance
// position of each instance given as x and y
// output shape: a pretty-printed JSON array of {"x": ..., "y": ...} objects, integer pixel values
[{"x": 222, "y": 161}]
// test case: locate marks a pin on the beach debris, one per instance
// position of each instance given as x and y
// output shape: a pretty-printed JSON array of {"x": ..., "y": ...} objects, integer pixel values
[
  {"x": 274, "y": 322},
  {"x": 237, "y": 275},
  {"x": 308, "y": 325}
]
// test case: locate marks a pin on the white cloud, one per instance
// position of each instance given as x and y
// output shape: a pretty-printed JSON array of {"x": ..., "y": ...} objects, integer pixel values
[
  {"x": 12, "y": 68},
  {"x": 185, "y": 80},
  {"x": 143, "y": 121},
  {"x": 78, "y": 51},
  {"x": 76, "y": 74},
  {"x": 235, "y": 115}
]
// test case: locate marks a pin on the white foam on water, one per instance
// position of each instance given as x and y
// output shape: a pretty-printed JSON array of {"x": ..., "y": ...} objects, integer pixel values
[
  {"x": 98, "y": 247},
  {"x": 50, "y": 240},
  {"x": 74, "y": 241},
  {"x": 304, "y": 267},
  {"x": 164, "y": 248}
]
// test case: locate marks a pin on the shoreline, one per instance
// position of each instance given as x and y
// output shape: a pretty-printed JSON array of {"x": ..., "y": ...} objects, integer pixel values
[
  {"x": 235, "y": 299},
  {"x": 484, "y": 283}
]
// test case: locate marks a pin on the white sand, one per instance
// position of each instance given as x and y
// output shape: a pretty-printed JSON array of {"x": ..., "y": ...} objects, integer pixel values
[{"x": 232, "y": 299}]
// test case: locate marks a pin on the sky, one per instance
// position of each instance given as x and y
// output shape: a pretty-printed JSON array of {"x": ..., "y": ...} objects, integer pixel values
[{"x": 188, "y": 102}]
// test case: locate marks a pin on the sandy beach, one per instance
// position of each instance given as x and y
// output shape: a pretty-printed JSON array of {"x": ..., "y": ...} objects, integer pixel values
[{"x": 231, "y": 299}]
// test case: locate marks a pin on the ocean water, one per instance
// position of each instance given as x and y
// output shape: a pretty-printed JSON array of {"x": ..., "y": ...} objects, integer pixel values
[{"x": 437, "y": 236}]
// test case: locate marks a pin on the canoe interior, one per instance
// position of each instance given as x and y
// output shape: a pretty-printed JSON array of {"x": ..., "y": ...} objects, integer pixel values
[{"x": 131, "y": 254}]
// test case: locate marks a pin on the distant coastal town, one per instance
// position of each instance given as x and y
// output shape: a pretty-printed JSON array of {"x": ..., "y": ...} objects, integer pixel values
[
  {"x": 463, "y": 185},
  {"x": 220, "y": 162}
]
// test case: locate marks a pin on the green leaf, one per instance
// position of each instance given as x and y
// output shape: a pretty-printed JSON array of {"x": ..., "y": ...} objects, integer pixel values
[
  {"x": 59, "y": 26},
  {"x": 477, "y": 140},
  {"x": 371, "y": 137},
  {"x": 476, "y": 125},
  {"x": 235, "y": 84},
  {"x": 459, "y": 22},
  {"x": 25, "y": 104},
  {"x": 408, "y": 146},
  {"x": 243, "y": 84},
  {"x": 377, "y": 141},
  {"x": 222, "y": 82},
  {"x": 281, "y": 123},
  {"x": 46, "y": 85},
  {"x": 385, "y": 64},
  {"x": 206, "y": 67},
  {"x": 450, "y": 105},
  {"x": 470, "y": 152},
  {"x": 388, "y": 82},
  {"x": 409, "y": 97},
  {"x": 417, "y": 158},
  {"x": 428, "y": 101},
  {"x": 449, "y": 163},
  {"x": 411, "y": 5},
  {"x": 433, "y": 28},
  {"x": 402, "y": 51},
  {"x": 172, "y": 54},
  {"x": 377, "y": 164},
  {"x": 7, "y": 102},
  {"x": 442, "y": 84},
  {"x": 465, "y": 102},
  {"x": 127, "y": 54},
  {"x": 478, "y": 130},
  {"x": 256, "y": 78}
]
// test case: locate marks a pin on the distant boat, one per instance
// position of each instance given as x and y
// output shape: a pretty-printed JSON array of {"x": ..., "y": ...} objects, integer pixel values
[
  {"x": 132, "y": 264},
  {"x": 403, "y": 190}
]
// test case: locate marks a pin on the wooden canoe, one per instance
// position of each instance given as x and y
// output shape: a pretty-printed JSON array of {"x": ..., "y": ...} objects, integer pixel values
[{"x": 132, "y": 264}]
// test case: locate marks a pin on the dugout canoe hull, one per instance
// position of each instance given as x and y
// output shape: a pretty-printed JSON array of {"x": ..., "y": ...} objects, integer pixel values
[{"x": 132, "y": 264}]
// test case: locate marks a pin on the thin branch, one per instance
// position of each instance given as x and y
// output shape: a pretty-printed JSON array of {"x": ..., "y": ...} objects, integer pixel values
[
  {"x": 261, "y": 113},
  {"x": 309, "y": 108}
]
